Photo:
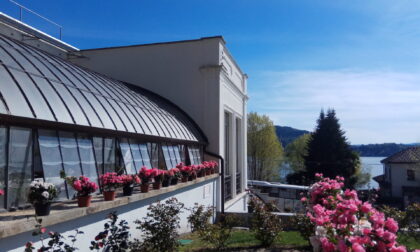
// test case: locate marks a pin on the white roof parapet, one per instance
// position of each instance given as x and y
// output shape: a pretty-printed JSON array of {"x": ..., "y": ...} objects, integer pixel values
[
  {"x": 18, "y": 25},
  {"x": 276, "y": 185}
]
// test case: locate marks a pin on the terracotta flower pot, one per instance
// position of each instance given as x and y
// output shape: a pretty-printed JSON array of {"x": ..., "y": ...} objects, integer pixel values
[
  {"x": 184, "y": 179},
  {"x": 208, "y": 172},
  {"x": 200, "y": 174},
  {"x": 109, "y": 195},
  {"x": 84, "y": 201},
  {"x": 144, "y": 188},
  {"x": 157, "y": 185},
  {"x": 128, "y": 190},
  {"x": 42, "y": 209}
]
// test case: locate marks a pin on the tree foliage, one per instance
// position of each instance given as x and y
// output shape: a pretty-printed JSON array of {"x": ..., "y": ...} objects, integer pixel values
[
  {"x": 329, "y": 153},
  {"x": 296, "y": 151},
  {"x": 264, "y": 149}
]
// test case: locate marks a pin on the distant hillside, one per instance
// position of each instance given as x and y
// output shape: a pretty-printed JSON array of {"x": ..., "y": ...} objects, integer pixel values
[
  {"x": 288, "y": 134},
  {"x": 380, "y": 150}
]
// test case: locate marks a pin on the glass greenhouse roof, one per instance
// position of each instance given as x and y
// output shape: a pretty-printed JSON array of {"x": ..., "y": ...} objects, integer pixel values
[{"x": 37, "y": 85}]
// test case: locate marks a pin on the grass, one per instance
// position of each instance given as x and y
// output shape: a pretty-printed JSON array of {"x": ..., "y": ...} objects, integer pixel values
[
  {"x": 287, "y": 239},
  {"x": 244, "y": 238},
  {"x": 410, "y": 242}
]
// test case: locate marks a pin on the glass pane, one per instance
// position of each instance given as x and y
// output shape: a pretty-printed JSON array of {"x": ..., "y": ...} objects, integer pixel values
[
  {"x": 167, "y": 157},
  {"x": 87, "y": 157},
  {"x": 70, "y": 154},
  {"x": 122, "y": 115},
  {"x": 191, "y": 155},
  {"x": 87, "y": 108},
  {"x": 60, "y": 110},
  {"x": 197, "y": 156},
  {"x": 177, "y": 156},
  {"x": 100, "y": 110},
  {"x": 99, "y": 154},
  {"x": 145, "y": 155},
  {"x": 20, "y": 164},
  {"x": 71, "y": 103},
  {"x": 109, "y": 155},
  {"x": 38, "y": 104},
  {"x": 49, "y": 148},
  {"x": 182, "y": 152},
  {"x": 174, "y": 160},
  {"x": 154, "y": 153},
  {"x": 112, "y": 114},
  {"x": 12, "y": 95},
  {"x": 3, "y": 157},
  {"x": 137, "y": 158},
  {"x": 127, "y": 157}
]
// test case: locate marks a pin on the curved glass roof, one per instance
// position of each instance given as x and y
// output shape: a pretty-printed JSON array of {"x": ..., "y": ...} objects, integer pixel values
[{"x": 37, "y": 85}]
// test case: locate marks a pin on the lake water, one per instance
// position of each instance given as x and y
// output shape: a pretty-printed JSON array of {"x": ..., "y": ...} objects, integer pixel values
[
  {"x": 370, "y": 165},
  {"x": 373, "y": 166}
]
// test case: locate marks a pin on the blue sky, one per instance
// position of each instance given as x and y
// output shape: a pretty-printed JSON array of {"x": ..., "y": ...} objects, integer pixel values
[{"x": 360, "y": 57}]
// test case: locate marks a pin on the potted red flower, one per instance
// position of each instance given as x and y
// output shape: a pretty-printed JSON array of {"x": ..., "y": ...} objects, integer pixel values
[
  {"x": 158, "y": 178},
  {"x": 213, "y": 165},
  {"x": 167, "y": 178},
  {"x": 177, "y": 176},
  {"x": 186, "y": 173},
  {"x": 84, "y": 188},
  {"x": 193, "y": 175},
  {"x": 146, "y": 177},
  {"x": 128, "y": 182},
  {"x": 201, "y": 170},
  {"x": 208, "y": 167},
  {"x": 110, "y": 181}
]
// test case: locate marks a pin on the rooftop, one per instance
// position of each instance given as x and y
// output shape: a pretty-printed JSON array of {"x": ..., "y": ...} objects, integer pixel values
[{"x": 409, "y": 155}]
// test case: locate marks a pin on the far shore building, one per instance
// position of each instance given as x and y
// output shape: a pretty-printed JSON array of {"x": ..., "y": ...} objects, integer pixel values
[
  {"x": 401, "y": 179},
  {"x": 97, "y": 110}
]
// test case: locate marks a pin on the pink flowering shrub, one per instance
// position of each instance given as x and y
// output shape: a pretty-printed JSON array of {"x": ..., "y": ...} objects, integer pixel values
[
  {"x": 1, "y": 192},
  {"x": 82, "y": 185},
  {"x": 345, "y": 223},
  {"x": 110, "y": 181}
]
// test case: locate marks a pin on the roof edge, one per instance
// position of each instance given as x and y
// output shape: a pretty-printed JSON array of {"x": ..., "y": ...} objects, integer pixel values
[{"x": 156, "y": 44}]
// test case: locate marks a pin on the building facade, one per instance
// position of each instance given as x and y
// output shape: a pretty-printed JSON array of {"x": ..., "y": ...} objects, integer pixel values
[
  {"x": 89, "y": 112},
  {"x": 401, "y": 178}
]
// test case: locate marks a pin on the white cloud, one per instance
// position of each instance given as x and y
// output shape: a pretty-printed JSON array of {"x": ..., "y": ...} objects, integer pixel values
[{"x": 373, "y": 106}]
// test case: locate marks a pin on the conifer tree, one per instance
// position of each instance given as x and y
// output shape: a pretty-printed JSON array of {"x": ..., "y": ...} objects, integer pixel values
[{"x": 329, "y": 152}]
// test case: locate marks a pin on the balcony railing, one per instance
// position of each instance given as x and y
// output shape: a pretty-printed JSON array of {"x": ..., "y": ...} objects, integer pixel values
[
  {"x": 228, "y": 187},
  {"x": 238, "y": 183}
]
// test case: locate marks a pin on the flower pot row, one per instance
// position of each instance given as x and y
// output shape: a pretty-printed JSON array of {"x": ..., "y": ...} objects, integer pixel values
[{"x": 42, "y": 193}]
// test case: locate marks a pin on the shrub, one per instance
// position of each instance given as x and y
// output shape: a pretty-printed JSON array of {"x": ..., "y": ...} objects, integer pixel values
[
  {"x": 412, "y": 220},
  {"x": 304, "y": 226},
  {"x": 218, "y": 234},
  {"x": 199, "y": 216},
  {"x": 265, "y": 225},
  {"x": 343, "y": 222},
  {"x": 159, "y": 227},
  {"x": 56, "y": 240},
  {"x": 114, "y": 237}
]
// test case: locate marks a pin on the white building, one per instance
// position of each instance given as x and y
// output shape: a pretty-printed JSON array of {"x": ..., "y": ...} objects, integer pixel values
[
  {"x": 401, "y": 178},
  {"x": 91, "y": 111}
]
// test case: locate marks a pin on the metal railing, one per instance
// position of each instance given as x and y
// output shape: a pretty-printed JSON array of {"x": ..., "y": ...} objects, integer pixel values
[
  {"x": 228, "y": 187},
  {"x": 22, "y": 8},
  {"x": 238, "y": 183}
]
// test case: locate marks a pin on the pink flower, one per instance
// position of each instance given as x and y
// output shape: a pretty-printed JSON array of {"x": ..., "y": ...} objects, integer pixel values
[
  {"x": 43, "y": 230},
  {"x": 400, "y": 249},
  {"x": 327, "y": 246},
  {"x": 356, "y": 247},
  {"x": 366, "y": 207},
  {"x": 77, "y": 185},
  {"x": 1, "y": 192},
  {"x": 391, "y": 225},
  {"x": 303, "y": 199}
]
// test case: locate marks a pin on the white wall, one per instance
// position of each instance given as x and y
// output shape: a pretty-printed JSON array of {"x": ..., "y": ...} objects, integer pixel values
[
  {"x": 203, "y": 193},
  {"x": 399, "y": 177},
  {"x": 200, "y": 76}
]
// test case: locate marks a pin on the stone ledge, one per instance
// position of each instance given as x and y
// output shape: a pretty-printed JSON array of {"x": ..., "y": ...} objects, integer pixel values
[{"x": 23, "y": 221}]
